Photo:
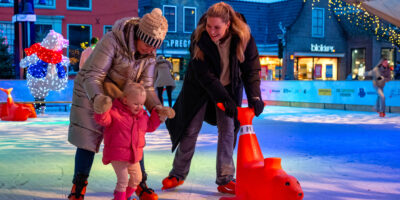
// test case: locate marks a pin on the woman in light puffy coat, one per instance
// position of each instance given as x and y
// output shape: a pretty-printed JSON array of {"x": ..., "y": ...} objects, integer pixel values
[
  {"x": 125, "y": 53},
  {"x": 163, "y": 78}
]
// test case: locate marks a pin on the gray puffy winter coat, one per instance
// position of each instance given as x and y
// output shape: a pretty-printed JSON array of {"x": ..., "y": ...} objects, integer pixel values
[
  {"x": 162, "y": 74},
  {"x": 114, "y": 59}
]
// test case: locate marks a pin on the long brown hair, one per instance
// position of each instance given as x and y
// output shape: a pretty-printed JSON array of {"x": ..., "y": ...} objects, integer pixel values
[{"x": 237, "y": 27}]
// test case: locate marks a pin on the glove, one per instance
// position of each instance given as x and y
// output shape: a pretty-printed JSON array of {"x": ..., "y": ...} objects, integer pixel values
[
  {"x": 101, "y": 103},
  {"x": 258, "y": 106},
  {"x": 230, "y": 108}
]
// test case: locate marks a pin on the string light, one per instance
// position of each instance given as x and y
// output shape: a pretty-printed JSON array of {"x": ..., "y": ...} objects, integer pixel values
[
  {"x": 47, "y": 67},
  {"x": 363, "y": 21}
]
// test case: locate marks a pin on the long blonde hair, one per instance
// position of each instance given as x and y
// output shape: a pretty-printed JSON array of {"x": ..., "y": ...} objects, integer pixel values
[{"x": 237, "y": 27}]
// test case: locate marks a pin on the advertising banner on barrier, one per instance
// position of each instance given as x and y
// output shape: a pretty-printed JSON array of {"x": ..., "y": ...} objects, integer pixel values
[{"x": 336, "y": 92}]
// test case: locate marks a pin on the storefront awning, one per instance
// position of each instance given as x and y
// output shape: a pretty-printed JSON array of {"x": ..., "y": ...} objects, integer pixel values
[
  {"x": 385, "y": 9},
  {"x": 313, "y": 54}
]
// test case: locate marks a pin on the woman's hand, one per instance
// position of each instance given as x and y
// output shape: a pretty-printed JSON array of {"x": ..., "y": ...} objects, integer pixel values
[
  {"x": 230, "y": 107},
  {"x": 257, "y": 104}
]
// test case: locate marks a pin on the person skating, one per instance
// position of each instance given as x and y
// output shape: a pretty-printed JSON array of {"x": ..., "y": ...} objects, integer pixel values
[
  {"x": 126, "y": 53},
  {"x": 224, "y": 59},
  {"x": 380, "y": 75}
]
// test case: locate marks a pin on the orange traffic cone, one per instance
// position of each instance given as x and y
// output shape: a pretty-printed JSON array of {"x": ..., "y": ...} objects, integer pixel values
[{"x": 258, "y": 178}]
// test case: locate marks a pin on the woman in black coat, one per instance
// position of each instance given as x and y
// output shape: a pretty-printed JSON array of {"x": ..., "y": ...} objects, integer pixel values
[{"x": 224, "y": 59}]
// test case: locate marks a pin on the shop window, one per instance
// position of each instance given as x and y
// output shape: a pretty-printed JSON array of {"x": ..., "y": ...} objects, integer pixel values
[
  {"x": 107, "y": 28},
  {"x": 189, "y": 19},
  {"x": 79, "y": 4},
  {"x": 270, "y": 68},
  {"x": 7, "y": 31},
  {"x": 389, "y": 54},
  {"x": 170, "y": 15},
  {"x": 358, "y": 64},
  {"x": 318, "y": 22},
  {"x": 316, "y": 68},
  {"x": 41, "y": 30},
  {"x": 176, "y": 65},
  {"x": 78, "y": 35}
]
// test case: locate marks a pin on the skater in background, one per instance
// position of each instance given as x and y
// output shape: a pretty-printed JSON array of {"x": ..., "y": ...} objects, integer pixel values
[
  {"x": 126, "y": 53},
  {"x": 163, "y": 79},
  {"x": 126, "y": 124},
  {"x": 86, "y": 53},
  {"x": 224, "y": 59},
  {"x": 380, "y": 75}
]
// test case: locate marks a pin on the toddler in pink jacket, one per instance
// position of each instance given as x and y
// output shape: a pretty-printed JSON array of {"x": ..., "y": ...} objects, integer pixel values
[{"x": 125, "y": 125}]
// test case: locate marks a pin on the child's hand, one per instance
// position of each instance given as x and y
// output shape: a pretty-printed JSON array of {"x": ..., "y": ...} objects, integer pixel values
[
  {"x": 165, "y": 112},
  {"x": 102, "y": 103}
]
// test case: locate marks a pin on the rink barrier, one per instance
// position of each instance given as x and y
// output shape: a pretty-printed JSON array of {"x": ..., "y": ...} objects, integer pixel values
[
  {"x": 53, "y": 106},
  {"x": 365, "y": 108}
]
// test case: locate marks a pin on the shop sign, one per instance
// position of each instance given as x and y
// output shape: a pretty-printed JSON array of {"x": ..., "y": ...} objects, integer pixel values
[
  {"x": 324, "y": 92},
  {"x": 322, "y": 48},
  {"x": 345, "y": 92},
  {"x": 177, "y": 43},
  {"x": 24, "y": 18}
]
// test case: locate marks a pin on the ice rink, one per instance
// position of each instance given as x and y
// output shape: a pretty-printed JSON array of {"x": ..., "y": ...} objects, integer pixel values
[{"x": 335, "y": 155}]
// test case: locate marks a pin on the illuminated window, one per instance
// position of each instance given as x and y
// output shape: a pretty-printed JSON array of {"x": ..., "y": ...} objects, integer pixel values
[
  {"x": 358, "y": 63},
  {"x": 388, "y": 53},
  {"x": 315, "y": 68},
  {"x": 78, "y": 35}
]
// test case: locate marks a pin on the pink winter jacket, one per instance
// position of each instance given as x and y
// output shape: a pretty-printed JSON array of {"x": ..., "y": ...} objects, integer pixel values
[{"x": 124, "y": 133}]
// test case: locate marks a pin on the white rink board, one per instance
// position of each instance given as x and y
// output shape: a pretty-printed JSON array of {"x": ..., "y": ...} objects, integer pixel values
[{"x": 335, "y": 92}]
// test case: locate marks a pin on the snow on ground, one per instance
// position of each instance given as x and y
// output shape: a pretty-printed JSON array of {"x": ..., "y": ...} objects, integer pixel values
[{"x": 335, "y": 154}]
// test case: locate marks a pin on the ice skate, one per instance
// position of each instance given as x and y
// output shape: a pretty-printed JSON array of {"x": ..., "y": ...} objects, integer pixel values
[{"x": 171, "y": 182}]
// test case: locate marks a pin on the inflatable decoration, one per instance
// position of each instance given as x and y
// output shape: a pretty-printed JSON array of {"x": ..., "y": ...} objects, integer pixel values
[
  {"x": 47, "y": 68},
  {"x": 258, "y": 178},
  {"x": 11, "y": 111}
]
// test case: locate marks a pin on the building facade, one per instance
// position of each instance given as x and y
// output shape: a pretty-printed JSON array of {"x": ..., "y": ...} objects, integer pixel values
[
  {"x": 182, "y": 19},
  {"x": 76, "y": 20}
]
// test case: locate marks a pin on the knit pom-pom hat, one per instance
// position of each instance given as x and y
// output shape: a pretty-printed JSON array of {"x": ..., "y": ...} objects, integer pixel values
[{"x": 152, "y": 28}]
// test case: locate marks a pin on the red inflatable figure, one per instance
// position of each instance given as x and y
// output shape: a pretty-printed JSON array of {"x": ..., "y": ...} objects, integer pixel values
[
  {"x": 11, "y": 111},
  {"x": 258, "y": 178}
]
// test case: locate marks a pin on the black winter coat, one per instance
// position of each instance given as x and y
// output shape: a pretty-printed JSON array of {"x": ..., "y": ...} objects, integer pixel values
[{"x": 201, "y": 84}]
